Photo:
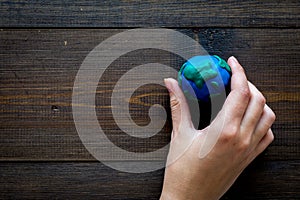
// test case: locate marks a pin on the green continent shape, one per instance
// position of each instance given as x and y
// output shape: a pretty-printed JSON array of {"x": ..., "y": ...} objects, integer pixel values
[
  {"x": 223, "y": 63},
  {"x": 200, "y": 73}
]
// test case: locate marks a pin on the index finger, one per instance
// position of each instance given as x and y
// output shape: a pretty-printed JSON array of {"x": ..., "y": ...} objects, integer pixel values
[{"x": 238, "y": 99}]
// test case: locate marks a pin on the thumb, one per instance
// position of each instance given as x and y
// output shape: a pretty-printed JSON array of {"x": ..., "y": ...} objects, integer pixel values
[{"x": 179, "y": 107}]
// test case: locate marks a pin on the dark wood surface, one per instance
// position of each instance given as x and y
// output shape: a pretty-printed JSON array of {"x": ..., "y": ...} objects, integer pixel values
[
  {"x": 133, "y": 13},
  {"x": 41, "y": 154},
  {"x": 92, "y": 180}
]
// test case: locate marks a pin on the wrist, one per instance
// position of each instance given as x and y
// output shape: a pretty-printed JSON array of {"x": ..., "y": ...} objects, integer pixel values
[
  {"x": 180, "y": 191},
  {"x": 170, "y": 196},
  {"x": 178, "y": 188}
]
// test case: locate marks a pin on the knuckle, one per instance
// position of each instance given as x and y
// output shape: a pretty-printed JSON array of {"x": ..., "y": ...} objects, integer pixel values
[
  {"x": 226, "y": 138},
  {"x": 245, "y": 93},
  {"x": 271, "y": 137},
  {"x": 268, "y": 139},
  {"x": 272, "y": 117},
  {"x": 260, "y": 99},
  {"x": 244, "y": 145},
  {"x": 175, "y": 104},
  {"x": 229, "y": 133},
  {"x": 233, "y": 129},
  {"x": 263, "y": 100}
]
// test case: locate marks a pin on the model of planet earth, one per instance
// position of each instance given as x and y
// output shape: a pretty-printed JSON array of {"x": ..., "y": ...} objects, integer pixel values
[{"x": 204, "y": 77}]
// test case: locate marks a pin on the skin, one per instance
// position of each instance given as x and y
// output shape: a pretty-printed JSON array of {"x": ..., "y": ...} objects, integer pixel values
[{"x": 246, "y": 133}]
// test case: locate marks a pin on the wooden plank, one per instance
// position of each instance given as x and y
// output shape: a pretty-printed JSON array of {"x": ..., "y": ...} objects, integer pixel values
[
  {"x": 149, "y": 13},
  {"x": 38, "y": 68},
  {"x": 92, "y": 180},
  {"x": 263, "y": 180}
]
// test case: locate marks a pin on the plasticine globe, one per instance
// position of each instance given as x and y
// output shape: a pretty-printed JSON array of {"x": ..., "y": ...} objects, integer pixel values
[{"x": 203, "y": 77}]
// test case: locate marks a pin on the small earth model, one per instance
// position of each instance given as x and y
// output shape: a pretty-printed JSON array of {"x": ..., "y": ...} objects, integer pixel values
[{"x": 204, "y": 77}]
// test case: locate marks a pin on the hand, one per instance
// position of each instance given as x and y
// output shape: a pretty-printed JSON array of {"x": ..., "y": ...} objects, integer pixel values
[{"x": 241, "y": 131}]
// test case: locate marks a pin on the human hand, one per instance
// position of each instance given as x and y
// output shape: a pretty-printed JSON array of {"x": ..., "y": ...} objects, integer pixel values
[{"x": 219, "y": 153}]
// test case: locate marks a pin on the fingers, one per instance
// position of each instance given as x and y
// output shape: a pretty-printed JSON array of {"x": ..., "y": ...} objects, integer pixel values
[
  {"x": 264, "y": 142},
  {"x": 253, "y": 111},
  {"x": 263, "y": 126},
  {"x": 183, "y": 133},
  {"x": 246, "y": 111},
  {"x": 179, "y": 107},
  {"x": 238, "y": 99}
]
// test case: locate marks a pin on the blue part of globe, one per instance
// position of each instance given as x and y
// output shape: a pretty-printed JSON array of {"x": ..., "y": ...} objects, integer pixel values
[{"x": 211, "y": 87}]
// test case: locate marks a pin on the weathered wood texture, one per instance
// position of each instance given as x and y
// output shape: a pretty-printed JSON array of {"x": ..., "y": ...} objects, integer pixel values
[
  {"x": 41, "y": 154},
  {"x": 38, "y": 71},
  {"x": 38, "y": 68},
  {"x": 133, "y": 13},
  {"x": 79, "y": 180}
]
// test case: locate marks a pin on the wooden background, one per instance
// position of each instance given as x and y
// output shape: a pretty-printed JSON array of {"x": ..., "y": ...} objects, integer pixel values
[{"x": 41, "y": 155}]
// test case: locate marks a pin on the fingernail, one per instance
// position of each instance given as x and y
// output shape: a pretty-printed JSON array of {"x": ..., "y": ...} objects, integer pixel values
[{"x": 234, "y": 59}]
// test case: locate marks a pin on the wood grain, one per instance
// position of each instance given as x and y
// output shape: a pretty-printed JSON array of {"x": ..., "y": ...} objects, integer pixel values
[
  {"x": 93, "y": 180},
  {"x": 149, "y": 13},
  {"x": 38, "y": 70},
  {"x": 42, "y": 156}
]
